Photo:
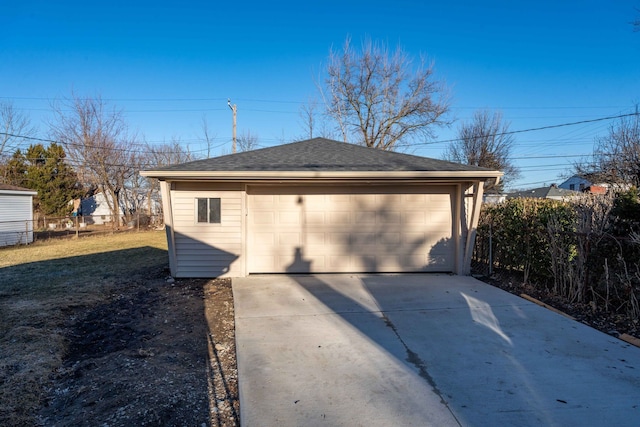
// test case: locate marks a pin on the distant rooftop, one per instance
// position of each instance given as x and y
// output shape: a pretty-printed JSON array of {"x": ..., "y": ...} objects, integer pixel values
[{"x": 551, "y": 192}]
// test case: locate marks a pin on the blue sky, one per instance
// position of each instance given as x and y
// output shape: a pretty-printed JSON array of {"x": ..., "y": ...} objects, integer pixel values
[{"x": 166, "y": 64}]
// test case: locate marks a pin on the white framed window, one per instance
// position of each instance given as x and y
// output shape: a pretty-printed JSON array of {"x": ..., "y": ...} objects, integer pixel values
[{"x": 208, "y": 210}]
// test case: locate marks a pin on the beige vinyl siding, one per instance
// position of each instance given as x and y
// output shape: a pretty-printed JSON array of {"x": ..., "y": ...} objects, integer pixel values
[
  {"x": 204, "y": 249},
  {"x": 351, "y": 229},
  {"x": 16, "y": 215}
]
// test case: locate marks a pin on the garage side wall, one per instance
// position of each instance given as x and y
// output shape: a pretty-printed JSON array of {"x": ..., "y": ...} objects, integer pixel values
[
  {"x": 208, "y": 249},
  {"x": 16, "y": 219}
]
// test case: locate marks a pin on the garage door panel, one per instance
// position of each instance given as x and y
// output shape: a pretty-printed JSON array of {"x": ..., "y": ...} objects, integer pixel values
[
  {"x": 263, "y": 262},
  {"x": 290, "y": 263},
  {"x": 289, "y": 200},
  {"x": 316, "y": 238},
  {"x": 338, "y": 239},
  {"x": 389, "y": 240},
  {"x": 340, "y": 264},
  {"x": 288, "y": 218},
  {"x": 415, "y": 199},
  {"x": 362, "y": 241},
  {"x": 389, "y": 218},
  {"x": 317, "y": 230},
  {"x": 365, "y": 217},
  {"x": 264, "y": 240},
  {"x": 318, "y": 264},
  {"x": 289, "y": 239},
  {"x": 316, "y": 218},
  {"x": 364, "y": 200},
  {"x": 262, "y": 201},
  {"x": 390, "y": 199},
  {"x": 439, "y": 261},
  {"x": 438, "y": 218},
  {"x": 412, "y": 217},
  {"x": 414, "y": 238},
  {"x": 338, "y": 199},
  {"x": 339, "y": 218},
  {"x": 263, "y": 218},
  {"x": 426, "y": 241}
]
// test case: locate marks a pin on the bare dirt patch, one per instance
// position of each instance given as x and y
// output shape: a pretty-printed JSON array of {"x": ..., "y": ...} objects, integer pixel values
[
  {"x": 158, "y": 353},
  {"x": 93, "y": 332}
]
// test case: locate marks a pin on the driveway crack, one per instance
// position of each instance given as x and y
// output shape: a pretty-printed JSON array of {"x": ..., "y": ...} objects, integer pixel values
[{"x": 415, "y": 360}]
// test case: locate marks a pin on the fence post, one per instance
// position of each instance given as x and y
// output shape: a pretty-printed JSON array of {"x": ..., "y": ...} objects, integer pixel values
[
  {"x": 26, "y": 234},
  {"x": 138, "y": 214},
  {"x": 77, "y": 227},
  {"x": 490, "y": 249}
]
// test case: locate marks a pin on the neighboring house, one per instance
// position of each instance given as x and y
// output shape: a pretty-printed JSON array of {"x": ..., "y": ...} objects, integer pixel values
[
  {"x": 95, "y": 210},
  {"x": 16, "y": 215},
  {"x": 494, "y": 198},
  {"x": 320, "y": 206},
  {"x": 576, "y": 183},
  {"x": 581, "y": 183},
  {"x": 551, "y": 192}
]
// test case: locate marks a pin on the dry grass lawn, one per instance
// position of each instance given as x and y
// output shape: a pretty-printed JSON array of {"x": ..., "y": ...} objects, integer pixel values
[{"x": 41, "y": 286}]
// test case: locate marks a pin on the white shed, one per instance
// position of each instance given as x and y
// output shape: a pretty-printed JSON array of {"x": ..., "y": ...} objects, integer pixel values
[
  {"x": 16, "y": 215},
  {"x": 320, "y": 206}
]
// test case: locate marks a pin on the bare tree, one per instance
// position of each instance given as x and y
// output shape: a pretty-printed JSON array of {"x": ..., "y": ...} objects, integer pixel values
[
  {"x": 161, "y": 155},
  {"x": 308, "y": 114},
  {"x": 168, "y": 154},
  {"x": 96, "y": 139},
  {"x": 247, "y": 141},
  {"x": 484, "y": 141},
  {"x": 311, "y": 119},
  {"x": 14, "y": 126},
  {"x": 208, "y": 136},
  {"x": 616, "y": 156},
  {"x": 379, "y": 100}
]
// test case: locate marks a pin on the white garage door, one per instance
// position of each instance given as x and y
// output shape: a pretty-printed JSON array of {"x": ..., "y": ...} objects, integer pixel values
[{"x": 350, "y": 229}]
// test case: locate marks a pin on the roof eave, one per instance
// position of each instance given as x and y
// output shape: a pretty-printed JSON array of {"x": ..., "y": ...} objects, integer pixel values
[
  {"x": 19, "y": 192},
  {"x": 322, "y": 175}
]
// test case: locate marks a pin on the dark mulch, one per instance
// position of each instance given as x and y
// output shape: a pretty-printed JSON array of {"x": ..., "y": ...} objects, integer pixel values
[{"x": 610, "y": 322}]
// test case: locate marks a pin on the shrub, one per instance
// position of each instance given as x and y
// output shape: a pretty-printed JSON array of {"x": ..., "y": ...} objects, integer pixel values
[
  {"x": 586, "y": 249},
  {"x": 519, "y": 234}
]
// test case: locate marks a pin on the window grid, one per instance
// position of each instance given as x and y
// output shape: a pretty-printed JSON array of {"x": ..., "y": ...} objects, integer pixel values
[{"x": 208, "y": 210}]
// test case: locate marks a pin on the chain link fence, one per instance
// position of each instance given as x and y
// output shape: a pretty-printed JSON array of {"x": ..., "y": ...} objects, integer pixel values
[
  {"x": 28, "y": 231},
  {"x": 482, "y": 262}
]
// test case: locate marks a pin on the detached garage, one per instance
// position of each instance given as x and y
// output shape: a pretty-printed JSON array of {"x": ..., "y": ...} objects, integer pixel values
[
  {"x": 16, "y": 215},
  {"x": 320, "y": 206}
]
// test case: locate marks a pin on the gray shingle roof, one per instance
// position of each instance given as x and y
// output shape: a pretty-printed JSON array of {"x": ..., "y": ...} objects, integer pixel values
[
  {"x": 8, "y": 187},
  {"x": 550, "y": 192},
  {"x": 320, "y": 154}
]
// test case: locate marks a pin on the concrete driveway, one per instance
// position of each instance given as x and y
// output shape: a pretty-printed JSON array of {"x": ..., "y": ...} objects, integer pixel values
[{"x": 421, "y": 350}]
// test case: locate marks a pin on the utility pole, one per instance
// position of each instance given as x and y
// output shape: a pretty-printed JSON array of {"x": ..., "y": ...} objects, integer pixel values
[{"x": 234, "y": 108}]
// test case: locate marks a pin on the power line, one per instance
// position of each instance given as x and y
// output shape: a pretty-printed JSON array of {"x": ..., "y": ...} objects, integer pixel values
[
  {"x": 268, "y": 101},
  {"x": 535, "y": 129},
  {"x": 280, "y": 101},
  {"x": 77, "y": 144},
  {"x": 512, "y": 132},
  {"x": 550, "y": 156}
]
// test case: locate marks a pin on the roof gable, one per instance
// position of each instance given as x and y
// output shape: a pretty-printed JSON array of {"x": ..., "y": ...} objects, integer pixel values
[{"x": 322, "y": 155}]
